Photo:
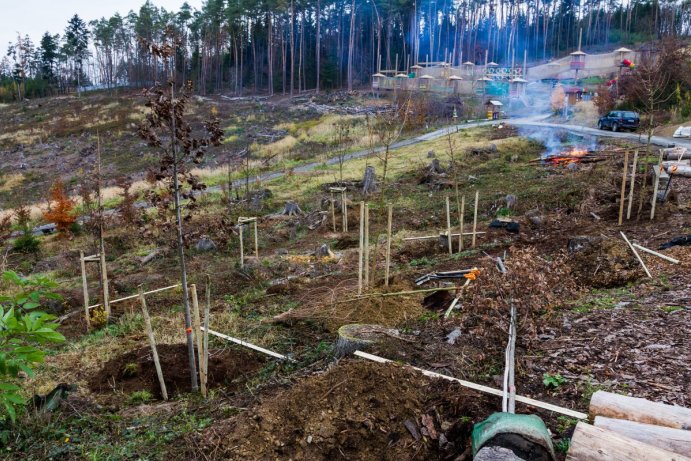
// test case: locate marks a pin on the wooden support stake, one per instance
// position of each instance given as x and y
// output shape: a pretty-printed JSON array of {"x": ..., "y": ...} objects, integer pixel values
[
  {"x": 104, "y": 283},
  {"x": 152, "y": 343},
  {"x": 658, "y": 171},
  {"x": 333, "y": 211},
  {"x": 85, "y": 289},
  {"x": 242, "y": 249},
  {"x": 655, "y": 253},
  {"x": 622, "y": 196},
  {"x": 448, "y": 225},
  {"x": 481, "y": 388},
  {"x": 509, "y": 400},
  {"x": 632, "y": 185},
  {"x": 477, "y": 198},
  {"x": 361, "y": 249},
  {"x": 205, "y": 341},
  {"x": 461, "y": 218},
  {"x": 344, "y": 204},
  {"x": 196, "y": 323},
  {"x": 366, "y": 244},
  {"x": 388, "y": 245},
  {"x": 637, "y": 255},
  {"x": 256, "y": 242}
]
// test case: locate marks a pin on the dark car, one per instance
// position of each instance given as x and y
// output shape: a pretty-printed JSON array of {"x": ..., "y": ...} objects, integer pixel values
[{"x": 618, "y": 119}]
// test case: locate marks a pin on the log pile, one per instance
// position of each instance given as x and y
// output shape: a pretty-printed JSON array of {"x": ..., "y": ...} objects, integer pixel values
[{"x": 628, "y": 428}]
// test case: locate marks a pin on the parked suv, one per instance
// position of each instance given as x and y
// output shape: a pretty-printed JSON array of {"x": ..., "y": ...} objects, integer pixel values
[{"x": 619, "y": 119}]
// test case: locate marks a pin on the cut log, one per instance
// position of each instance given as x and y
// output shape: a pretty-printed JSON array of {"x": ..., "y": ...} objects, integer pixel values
[
  {"x": 679, "y": 170},
  {"x": 590, "y": 443},
  {"x": 676, "y": 153},
  {"x": 641, "y": 410},
  {"x": 676, "y": 440},
  {"x": 359, "y": 336}
]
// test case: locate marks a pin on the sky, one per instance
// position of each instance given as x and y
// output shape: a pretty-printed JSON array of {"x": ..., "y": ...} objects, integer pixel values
[{"x": 34, "y": 17}]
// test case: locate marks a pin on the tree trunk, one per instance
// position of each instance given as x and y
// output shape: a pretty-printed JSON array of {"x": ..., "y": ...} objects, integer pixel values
[
  {"x": 181, "y": 252},
  {"x": 351, "y": 45}
]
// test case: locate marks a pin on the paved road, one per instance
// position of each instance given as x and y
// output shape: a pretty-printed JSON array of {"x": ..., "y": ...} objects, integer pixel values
[{"x": 636, "y": 137}]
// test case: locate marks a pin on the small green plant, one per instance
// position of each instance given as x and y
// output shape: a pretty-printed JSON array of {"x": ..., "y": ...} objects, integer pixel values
[
  {"x": 130, "y": 370},
  {"x": 553, "y": 381},
  {"x": 427, "y": 316},
  {"x": 140, "y": 397},
  {"x": 563, "y": 445},
  {"x": 424, "y": 261},
  {"x": 23, "y": 328}
]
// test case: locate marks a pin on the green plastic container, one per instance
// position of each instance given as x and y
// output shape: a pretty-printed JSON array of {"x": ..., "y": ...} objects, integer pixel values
[{"x": 530, "y": 428}]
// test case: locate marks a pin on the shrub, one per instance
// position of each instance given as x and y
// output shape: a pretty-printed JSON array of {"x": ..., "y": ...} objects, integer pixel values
[
  {"x": 26, "y": 243},
  {"x": 23, "y": 328},
  {"x": 60, "y": 209}
]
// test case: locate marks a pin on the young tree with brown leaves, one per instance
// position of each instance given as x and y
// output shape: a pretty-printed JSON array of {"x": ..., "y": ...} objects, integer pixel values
[
  {"x": 166, "y": 129},
  {"x": 60, "y": 209}
]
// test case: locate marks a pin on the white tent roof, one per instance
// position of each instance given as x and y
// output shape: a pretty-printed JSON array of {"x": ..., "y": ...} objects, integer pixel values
[
  {"x": 401, "y": 75},
  {"x": 622, "y": 50},
  {"x": 468, "y": 63},
  {"x": 519, "y": 80},
  {"x": 455, "y": 77},
  {"x": 427, "y": 77},
  {"x": 492, "y": 64},
  {"x": 578, "y": 53},
  {"x": 496, "y": 103},
  {"x": 378, "y": 75}
]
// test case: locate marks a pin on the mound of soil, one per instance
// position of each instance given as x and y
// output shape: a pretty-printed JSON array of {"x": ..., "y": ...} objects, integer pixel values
[
  {"x": 606, "y": 263},
  {"x": 135, "y": 371},
  {"x": 359, "y": 411}
]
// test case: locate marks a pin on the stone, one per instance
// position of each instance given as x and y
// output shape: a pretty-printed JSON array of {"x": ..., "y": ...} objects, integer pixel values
[{"x": 205, "y": 244}]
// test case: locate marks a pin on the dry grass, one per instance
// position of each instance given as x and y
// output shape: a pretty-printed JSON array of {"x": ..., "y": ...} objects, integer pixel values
[{"x": 10, "y": 181}]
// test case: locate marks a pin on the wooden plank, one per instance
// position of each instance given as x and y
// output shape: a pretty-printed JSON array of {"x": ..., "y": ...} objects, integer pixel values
[
  {"x": 196, "y": 324},
  {"x": 388, "y": 244},
  {"x": 637, "y": 255},
  {"x": 431, "y": 237},
  {"x": 641, "y": 410},
  {"x": 477, "y": 198},
  {"x": 205, "y": 342},
  {"x": 659, "y": 255},
  {"x": 632, "y": 185},
  {"x": 622, "y": 196},
  {"x": 590, "y": 443},
  {"x": 448, "y": 224},
  {"x": 152, "y": 343},
  {"x": 481, "y": 388},
  {"x": 126, "y": 298},
  {"x": 361, "y": 251},
  {"x": 247, "y": 345},
  {"x": 85, "y": 290},
  {"x": 667, "y": 438}
]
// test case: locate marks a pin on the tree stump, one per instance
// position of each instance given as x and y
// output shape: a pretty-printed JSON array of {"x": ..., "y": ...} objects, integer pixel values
[
  {"x": 369, "y": 182},
  {"x": 291, "y": 208},
  {"x": 324, "y": 252},
  {"x": 359, "y": 336},
  {"x": 435, "y": 167}
]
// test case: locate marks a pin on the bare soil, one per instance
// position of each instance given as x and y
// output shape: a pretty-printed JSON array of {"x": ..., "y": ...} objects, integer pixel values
[{"x": 135, "y": 370}]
